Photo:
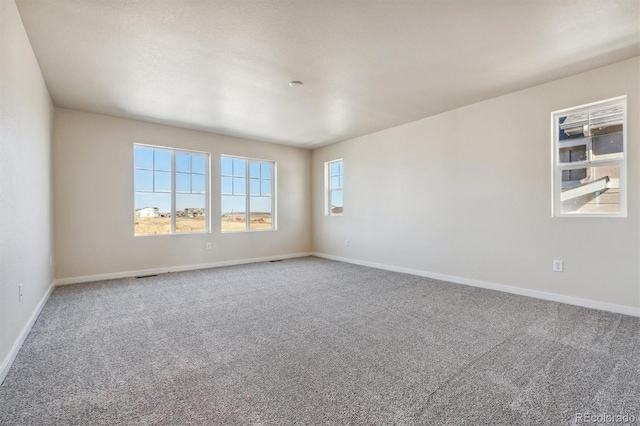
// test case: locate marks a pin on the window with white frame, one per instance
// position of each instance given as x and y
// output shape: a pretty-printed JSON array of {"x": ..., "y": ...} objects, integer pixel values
[
  {"x": 171, "y": 190},
  {"x": 334, "y": 194},
  {"x": 589, "y": 159},
  {"x": 247, "y": 194}
]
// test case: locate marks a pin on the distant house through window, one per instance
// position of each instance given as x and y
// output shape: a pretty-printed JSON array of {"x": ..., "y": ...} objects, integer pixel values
[
  {"x": 247, "y": 194},
  {"x": 589, "y": 159},
  {"x": 170, "y": 190},
  {"x": 334, "y": 175}
]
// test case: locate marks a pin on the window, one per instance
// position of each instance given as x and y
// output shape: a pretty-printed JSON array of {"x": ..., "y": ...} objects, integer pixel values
[
  {"x": 170, "y": 190},
  {"x": 248, "y": 194},
  {"x": 333, "y": 174},
  {"x": 589, "y": 160}
]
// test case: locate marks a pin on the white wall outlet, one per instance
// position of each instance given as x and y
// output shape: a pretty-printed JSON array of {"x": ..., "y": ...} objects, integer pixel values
[
  {"x": 20, "y": 292},
  {"x": 346, "y": 243},
  {"x": 208, "y": 246},
  {"x": 558, "y": 266}
]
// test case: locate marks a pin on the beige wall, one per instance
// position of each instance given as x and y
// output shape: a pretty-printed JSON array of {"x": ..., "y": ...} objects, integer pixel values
[
  {"x": 93, "y": 183},
  {"x": 26, "y": 237},
  {"x": 467, "y": 193}
]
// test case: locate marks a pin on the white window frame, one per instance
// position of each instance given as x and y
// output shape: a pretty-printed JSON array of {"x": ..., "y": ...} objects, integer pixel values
[
  {"x": 274, "y": 173},
  {"x": 207, "y": 190},
  {"x": 328, "y": 189},
  {"x": 557, "y": 167}
]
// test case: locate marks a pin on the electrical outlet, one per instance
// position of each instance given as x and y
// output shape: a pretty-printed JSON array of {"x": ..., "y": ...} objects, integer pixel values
[
  {"x": 20, "y": 292},
  {"x": 208, "y": 246},
  {"x": 558, "y": 266},
  {"x": 346, "y": 243}
]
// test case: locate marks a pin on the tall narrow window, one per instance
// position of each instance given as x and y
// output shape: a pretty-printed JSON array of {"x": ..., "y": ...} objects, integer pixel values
[
  {"x": 334, "y": 174},
  {"x": 248, "y": 199},
  {"x": 170, "y": 190},
  {"x": 589, "y": 160}
]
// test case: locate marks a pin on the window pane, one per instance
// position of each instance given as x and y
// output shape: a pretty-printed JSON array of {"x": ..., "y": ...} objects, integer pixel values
[
  {"x": 260, "y": 213},
  {"x": 572, "y": 154},
  {"x": 597, "y": 192},
  {"x": 606, "y": 120},
  {"x": 336, "y": 202},
  {"x": 608, "y": 144},
  {"x": 190, "y": 213},
  {"x": 239, "y": 168},
  {"x": 198, "y": 164},
  {"x": 143, "y": 180},
  {"x": 239, "y": 186},
  {"x": 227, "y": 166},
  {"x": 254, "y": 188},
  {"x": 198, "y": 184},
  {"x": 265, "y": 171},
  {"x": 233, "y": 213},
  {"x": 254, "y": 169},
  {"x": 335, "y": 182},
  {"x": 236, "y": 189},
  {"x": 227, "y": 185},
  {"x": 142, "y": 158},
  {"x": 573, "y": 178},
  {"x": 183, "y": 182},
  {"x": 265, "y": 187},
  {"x": 152, "y": 213},
  {"x": 335, "y": 169},
  {"x": 162, "y": 181},
  {"x": 162, "y": 159},
  {"x": 597, "y": 130},
  {"x": 572, "y": 126},
  {"x": 183, "y": 162}
]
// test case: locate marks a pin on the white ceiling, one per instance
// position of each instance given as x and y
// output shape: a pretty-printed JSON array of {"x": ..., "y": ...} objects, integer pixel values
[{"x": 224, "y": 66}]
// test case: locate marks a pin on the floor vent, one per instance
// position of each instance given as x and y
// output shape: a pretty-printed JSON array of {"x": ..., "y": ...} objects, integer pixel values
[{"x": 147, "y": 276}]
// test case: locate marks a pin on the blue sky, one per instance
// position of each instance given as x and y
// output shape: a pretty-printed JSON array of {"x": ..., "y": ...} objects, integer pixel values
[
  {"x": 234, "y": 185},
  {"x": 336, "y": 182},
  {"x": 153, "y": 181}
]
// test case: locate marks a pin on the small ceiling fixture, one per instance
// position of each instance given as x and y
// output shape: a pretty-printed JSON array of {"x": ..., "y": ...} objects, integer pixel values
[{"x": 295, "y": 83}]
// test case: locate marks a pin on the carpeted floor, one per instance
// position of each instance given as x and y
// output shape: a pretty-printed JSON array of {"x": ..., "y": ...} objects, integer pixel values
[{"x": 312, "y": 341}]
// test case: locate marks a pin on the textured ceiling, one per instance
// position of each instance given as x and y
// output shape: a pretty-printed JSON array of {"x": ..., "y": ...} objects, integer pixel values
[{"x": 224, "y": 66}]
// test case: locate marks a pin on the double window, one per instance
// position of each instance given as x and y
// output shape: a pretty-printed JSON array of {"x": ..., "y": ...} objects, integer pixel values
[
  {"x": 589, "y": 159},
  {"x": 334, "y": 176},
  {"x": 171, "y": 190},
  {"x": 247, "y": 187}
]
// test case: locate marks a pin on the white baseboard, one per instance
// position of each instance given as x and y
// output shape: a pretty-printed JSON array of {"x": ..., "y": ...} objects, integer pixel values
[
  {"x": 554, "y": 297},
  {"x": 13, "y": 353},
  {"x": 142, "y": 272}
]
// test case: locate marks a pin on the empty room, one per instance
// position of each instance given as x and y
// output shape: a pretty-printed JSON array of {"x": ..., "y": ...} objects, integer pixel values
[{"x": 278, "y": 212}]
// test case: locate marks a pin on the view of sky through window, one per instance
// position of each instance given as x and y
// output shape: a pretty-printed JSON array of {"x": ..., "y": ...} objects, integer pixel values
[
  {"x": 157, "y": 185},
  {"x": 246, "y": 194}
]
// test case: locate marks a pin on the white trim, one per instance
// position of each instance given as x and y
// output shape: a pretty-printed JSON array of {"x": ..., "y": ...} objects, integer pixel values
[
  {"x": 554, "y": 297},
  {"x": 142, "y": 272},
  {"x": 13, "y": 353}
]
